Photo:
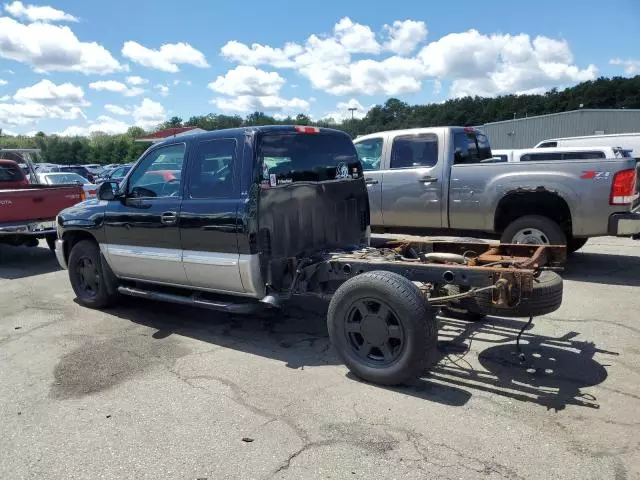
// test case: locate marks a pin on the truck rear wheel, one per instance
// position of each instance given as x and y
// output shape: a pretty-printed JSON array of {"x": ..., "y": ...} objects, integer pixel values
[
  {"x": 383, "y": 328},
  {"x": 534, "y": 229},
  {"x": 88, "y": 278}
]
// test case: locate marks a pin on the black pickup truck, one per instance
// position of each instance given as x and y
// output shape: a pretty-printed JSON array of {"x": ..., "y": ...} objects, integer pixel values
[{"x": 246, "y": 218}]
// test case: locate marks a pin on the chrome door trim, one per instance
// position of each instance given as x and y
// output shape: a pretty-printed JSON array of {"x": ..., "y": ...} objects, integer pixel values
[
  {"x": 210, "y": 258},
  {"x": 151, "y": 253}
]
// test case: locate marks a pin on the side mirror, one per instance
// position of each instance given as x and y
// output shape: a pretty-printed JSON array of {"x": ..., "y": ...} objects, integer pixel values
[{"x": 106, "y": 191}]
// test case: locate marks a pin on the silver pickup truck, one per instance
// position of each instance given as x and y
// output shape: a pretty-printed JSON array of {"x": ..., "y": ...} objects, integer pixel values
[{"x": 442, "y": 180}]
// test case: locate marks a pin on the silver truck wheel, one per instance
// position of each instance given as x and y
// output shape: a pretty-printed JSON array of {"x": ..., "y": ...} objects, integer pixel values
[{"x": 534, "y": 229}]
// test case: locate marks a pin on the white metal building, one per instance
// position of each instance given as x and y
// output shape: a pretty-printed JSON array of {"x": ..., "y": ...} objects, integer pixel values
[{"x": 527, "y": 132}]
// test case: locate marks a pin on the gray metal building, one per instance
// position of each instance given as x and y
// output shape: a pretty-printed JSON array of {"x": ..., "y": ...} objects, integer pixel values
[{"x": 527, "y": 132}]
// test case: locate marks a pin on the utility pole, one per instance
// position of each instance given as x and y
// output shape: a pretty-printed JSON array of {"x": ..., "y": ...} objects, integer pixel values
[{"x": 352, "y": 110}]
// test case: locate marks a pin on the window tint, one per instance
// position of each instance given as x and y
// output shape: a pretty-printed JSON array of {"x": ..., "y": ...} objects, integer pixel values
[
  {"x": 414, "y": 151},
  {"x": 9, "y": 173},
  {"x": 470, "y": 147},
  {"x": 291, "y": 157},
  {"x": 549, "y": 145},
  {"x": 158, "y": 174},
  {"x": 540, "y": 157},
  {"x": 211, "y": 174},
  {"x": 370, "y": 153},
  {"x": 583, "y": 155}
]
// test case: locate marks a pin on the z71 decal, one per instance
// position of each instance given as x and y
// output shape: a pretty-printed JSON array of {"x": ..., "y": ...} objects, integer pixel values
[{"x": 595, "y": 175}]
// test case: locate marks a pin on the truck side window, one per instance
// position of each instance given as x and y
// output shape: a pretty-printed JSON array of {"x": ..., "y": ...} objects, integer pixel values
[
  {"x": 411, "y": 151},
  {"x": 370, "y": 153},
  {"x": 548, "y": 145},
  {"x": 540, "y": 157},
  {"x": 211, "y": 174},
  {"x": 158, "y": 174}
]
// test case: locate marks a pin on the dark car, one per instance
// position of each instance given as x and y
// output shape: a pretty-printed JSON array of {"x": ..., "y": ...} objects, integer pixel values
[
  {"x": 80, "y": 170},
  {"x": 116, "y": 174},
  {"x": 242, "y": 219}
]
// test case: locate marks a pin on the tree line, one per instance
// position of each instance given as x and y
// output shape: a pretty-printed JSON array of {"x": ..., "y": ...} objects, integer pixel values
[{"x": 617, "y": 92}]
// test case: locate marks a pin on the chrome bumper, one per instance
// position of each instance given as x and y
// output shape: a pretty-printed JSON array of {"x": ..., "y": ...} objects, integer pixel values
[
  {"x": 31, "y": 228},
  {"x": 624, "y": 224},
  {"x": 60, "y": 253}
]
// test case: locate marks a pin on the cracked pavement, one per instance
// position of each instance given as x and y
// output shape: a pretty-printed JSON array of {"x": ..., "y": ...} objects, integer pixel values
[{"x": 151, "y": 390}]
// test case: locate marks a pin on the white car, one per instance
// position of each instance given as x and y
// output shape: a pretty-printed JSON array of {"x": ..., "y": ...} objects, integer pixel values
[{"x": 61, "y": 178}]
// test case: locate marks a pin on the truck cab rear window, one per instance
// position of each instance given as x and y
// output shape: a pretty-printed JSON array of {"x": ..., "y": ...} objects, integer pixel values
[
  {"x": 9, "y": 174},
  {"x": 291, "y": 157},
  {"x": 470, "y": 147}
]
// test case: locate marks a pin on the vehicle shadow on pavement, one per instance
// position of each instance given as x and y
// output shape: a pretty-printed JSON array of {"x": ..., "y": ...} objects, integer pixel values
[
  {"x": 603, "y": 268},
  {"x": 24, "y": 262},
  {"x": 552, "y": 372}
]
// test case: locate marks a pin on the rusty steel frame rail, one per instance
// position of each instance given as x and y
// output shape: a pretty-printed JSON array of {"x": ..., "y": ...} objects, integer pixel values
[{"x": 510, "y": 268}]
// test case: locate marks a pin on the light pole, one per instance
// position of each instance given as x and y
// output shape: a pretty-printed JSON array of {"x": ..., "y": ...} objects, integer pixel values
[{"x": 352, "y": 110}]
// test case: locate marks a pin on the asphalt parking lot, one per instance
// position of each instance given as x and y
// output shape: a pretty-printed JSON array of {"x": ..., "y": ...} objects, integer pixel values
[{"x": 150, "y": 390}]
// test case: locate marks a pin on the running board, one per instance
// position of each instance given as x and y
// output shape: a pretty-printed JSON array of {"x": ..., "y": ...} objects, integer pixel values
[{"x": 194, "y": 300}]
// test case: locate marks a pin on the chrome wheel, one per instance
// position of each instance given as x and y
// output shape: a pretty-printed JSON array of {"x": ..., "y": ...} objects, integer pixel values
[{"x": 531, "y": 236}]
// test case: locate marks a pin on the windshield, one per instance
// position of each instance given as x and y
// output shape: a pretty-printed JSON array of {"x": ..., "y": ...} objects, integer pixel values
[
  {"x": 65, "y": 178},
  {"x": 292, "y": 157}
]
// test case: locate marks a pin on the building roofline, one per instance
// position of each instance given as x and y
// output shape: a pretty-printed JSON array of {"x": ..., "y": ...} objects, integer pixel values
[{"x": 599, "y": 110}]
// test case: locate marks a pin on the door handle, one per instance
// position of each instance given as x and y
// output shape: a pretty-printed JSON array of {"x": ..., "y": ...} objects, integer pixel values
[
  {"x": 169, "y": 218},
  {"x": 428, "y": 179},
  {"x": 370, "y": 181}
]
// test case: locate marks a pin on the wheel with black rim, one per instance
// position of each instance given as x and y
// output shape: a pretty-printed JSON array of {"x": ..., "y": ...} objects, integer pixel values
[
  {"x": 87, "y": 276},
  {"x": 382, "y": 327}
]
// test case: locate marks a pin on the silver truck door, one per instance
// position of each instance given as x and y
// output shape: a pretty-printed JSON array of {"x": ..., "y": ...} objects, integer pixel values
[
  {"x": 371, "y": 152},
  {"x": 412, "y": 187}
]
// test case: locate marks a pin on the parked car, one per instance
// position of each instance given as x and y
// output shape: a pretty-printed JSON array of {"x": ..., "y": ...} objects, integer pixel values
[
  {"x": 79, "y": 169},
  {"x": 444, "y": 180},
  {"x": 61, "y": 178},
  {"x": 115, "y": 174},
  {"x": 286, "y": 214},
  {"x": 28, "y": 211},
  {"x": 630, "y": 141},
  {"x": 560, "y": 153}
]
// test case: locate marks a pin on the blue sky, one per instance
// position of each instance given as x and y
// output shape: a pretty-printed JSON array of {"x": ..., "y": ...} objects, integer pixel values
[{"x": 77, "y": 67}]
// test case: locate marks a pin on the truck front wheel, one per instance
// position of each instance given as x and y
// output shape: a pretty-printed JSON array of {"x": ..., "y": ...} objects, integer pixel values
[
  {"x": 382, "y": 327},
  {"x": 87, "y": 276},
  {"x": 534, "y": 229}
]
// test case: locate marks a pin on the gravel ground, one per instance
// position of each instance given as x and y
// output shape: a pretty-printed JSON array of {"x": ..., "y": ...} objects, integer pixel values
[{"x": 150, "y": 390}]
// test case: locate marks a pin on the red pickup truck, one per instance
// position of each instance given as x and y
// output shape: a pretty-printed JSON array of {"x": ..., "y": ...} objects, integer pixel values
[{"x": 28, "y": 211}]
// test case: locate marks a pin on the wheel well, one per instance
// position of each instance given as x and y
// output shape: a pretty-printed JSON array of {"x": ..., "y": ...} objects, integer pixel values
[
  {"x": 518, "y": 204},
  {"x": 71, "y": 238}
]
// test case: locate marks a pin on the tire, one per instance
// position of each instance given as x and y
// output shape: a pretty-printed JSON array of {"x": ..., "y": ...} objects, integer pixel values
[
  {"x": 51, "y": 242},
  {"x": 575, "y": 244},
  {"x": 360, "y": 342},
  {"x": 546, "y": 297},
  {"x": 551, "y": 232},
  {"x": 84, "y": 263}
]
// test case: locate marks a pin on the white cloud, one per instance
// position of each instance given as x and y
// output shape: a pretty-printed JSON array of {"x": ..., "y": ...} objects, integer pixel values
[
  {"x": 5, "y": 98},
  {"x": 48, "y": 93},
  {"x": 269, "y": 103},
  {"x": 53, "y": 48},
  {"x": 631, "y": 67},
  {"x": 261, "y": 54},
  {"x": 74, "y": 131},
  {"x": 149, "y": 113},
  {"x": 117, "y": 110},
  {"x": 117, "y": 87},
  {"x": 404, "y": 36},
  {"x": 108, "y": 125},
  {"x": 248, "y": 80},
  {"x": 137, "y": 81},
  {"x": 486, "y": 65},
  {"x": 166, "y": 58},
  {"x": 356, "y": 38},
  {"x": 11, "y": 133},
  {"x": 34, "y": 13},
  {"x": 30, "y": 113},
  {"x": 3, "y": 82},
  {"x": 163, "y": 90}
]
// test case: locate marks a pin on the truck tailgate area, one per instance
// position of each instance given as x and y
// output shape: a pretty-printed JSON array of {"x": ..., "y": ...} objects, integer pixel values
[{"x": 37, "y": 202}]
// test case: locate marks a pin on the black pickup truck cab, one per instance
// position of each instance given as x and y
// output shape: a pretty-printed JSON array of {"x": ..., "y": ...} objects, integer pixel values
[{"x": 245, "y": 218}]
